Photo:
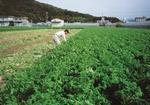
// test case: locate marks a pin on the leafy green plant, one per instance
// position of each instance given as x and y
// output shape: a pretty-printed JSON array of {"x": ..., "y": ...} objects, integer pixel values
[{"x": 98, "y": 66}]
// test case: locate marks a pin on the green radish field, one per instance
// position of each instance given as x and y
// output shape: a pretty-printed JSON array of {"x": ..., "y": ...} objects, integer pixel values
[
  {"x": 20, "y": 49},
  {"x": 97, "y": 66}
]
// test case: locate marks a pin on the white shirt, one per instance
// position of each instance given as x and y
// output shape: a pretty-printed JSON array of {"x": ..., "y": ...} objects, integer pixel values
[{"x": 60, "y": 34}]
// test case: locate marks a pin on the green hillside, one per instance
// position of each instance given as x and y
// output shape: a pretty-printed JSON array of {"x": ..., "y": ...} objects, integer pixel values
[{"x": 36, "y": 11}]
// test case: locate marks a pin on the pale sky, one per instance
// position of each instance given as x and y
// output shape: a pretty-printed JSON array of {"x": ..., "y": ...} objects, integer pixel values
[{"x": 117, "y": 8}]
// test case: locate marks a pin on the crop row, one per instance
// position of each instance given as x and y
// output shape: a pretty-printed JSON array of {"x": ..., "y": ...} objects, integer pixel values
[{"x": 99, "y": 66}]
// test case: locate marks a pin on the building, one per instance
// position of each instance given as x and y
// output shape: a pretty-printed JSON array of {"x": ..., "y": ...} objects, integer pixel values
[
  {"x": 103, "y": 22},
  {"x": 14, "y": 21},
  {"x": 57, "y": 23},
  {"x": 140, "y": 19}
]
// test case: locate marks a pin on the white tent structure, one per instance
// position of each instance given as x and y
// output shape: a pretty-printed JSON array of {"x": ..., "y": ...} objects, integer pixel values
[{"x": 57, "y": 23}]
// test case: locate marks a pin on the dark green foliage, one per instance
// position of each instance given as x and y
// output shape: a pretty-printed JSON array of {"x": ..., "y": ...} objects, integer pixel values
[
  {"x": 37, "y": 11},
  {"x": 119, "y": 25},
  {"x": 99, "y": 66},
  {"x": 11, "y": 23},
  {"x": 148, "y": 19}
]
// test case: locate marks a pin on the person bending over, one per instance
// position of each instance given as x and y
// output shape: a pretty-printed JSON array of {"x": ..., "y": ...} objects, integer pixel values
[{"x": 59, "y": 35}]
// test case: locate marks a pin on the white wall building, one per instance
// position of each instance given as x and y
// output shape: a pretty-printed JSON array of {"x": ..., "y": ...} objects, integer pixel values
[
  {"x": 57, "y": 23},
  {"x": 14, "y": 21},
  {"x": 140, "y": 19}
]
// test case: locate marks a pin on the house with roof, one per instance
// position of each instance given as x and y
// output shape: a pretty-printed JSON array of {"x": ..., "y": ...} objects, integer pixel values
[
  {"x": 140, "y": 19},
  {"x": 57, "y": 22}
]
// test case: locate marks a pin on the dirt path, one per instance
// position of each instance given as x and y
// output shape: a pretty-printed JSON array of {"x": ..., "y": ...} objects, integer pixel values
[
  {"x": 17, "y": 48},
  {"x": 1, "y": 82}
]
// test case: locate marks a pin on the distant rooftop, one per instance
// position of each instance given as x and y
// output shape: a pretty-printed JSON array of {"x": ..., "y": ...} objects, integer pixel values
[{"x": 142, "y": 17}]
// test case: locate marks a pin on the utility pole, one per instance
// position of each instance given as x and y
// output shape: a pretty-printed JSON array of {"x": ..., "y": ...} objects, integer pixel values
[
  {"x": 46, "y": 17},
  {"x": 102, "y": 19},
  {"x": 102, "y": 13}
]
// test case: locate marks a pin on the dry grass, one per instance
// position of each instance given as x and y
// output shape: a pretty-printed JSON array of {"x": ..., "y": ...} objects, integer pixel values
[{"x": 21, "y": 49}]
